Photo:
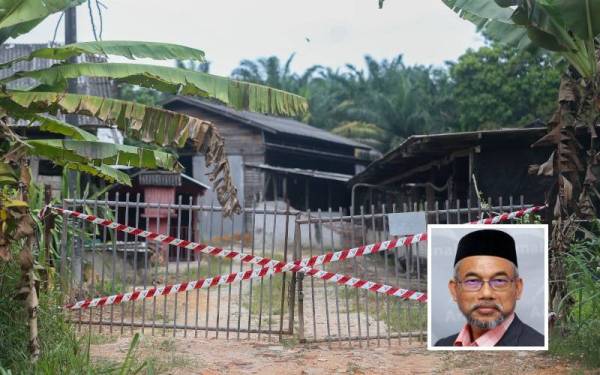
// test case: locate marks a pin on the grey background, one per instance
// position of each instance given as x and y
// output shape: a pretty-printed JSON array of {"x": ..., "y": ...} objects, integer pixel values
[{"x": 446, "y": 318}]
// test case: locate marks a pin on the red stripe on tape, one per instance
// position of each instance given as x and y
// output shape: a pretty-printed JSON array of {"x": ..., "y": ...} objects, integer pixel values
[
  {"x": 215, "y": 280},
  {"x": 360, "y": 283}
]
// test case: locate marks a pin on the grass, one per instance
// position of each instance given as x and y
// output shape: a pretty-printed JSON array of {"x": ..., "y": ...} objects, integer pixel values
[
  {"x": 163, "y": 356},
  {"x": 402, "y": 316},
  {"x": 272, "y": 291},
  {"x": 61, "y": 350},
  {"x": 578, "y": 337},
  {"x": 99, "y": 339},
  {"x": 578, "y": 344},
  {"x": 60, "y": 347}
]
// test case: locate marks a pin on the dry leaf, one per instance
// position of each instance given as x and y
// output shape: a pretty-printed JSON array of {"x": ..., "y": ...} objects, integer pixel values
[
  {"x": 547, "y": 168},
  {"x": 4, "y": 253},
  {"x": 566, "y": 189}
]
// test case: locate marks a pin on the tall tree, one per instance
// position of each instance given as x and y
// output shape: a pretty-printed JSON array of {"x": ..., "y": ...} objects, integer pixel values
[
  {"x": 399, "y": 100},
  {"x": 495, "y": 87},
  {"x": 271, "y": 72}
]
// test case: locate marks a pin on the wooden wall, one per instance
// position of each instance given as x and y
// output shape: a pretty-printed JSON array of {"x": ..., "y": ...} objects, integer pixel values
[{"x": 240, "y": 139}]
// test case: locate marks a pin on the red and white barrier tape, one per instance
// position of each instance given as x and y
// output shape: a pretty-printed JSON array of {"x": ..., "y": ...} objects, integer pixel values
[
  {"x": 509, "y": 216},
  {"x": 246, "y": 275},
  {"x": 269, "y": 266},
  {"x": 265, "y": 262}
]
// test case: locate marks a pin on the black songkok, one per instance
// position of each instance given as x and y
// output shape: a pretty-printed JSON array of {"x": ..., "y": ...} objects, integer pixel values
[{"x": 487, "y": 242}]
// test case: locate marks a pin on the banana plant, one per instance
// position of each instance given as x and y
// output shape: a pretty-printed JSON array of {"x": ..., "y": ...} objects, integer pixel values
[
  {"x": 82, "y": 151},
  {"x": 570, "y": 30}
]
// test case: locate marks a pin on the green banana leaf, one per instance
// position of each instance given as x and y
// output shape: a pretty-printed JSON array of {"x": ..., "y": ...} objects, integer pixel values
[
  {"x": 147, "y": 124},
  {"x": 102, "y": 171},
  {"x": 20, "y": 16},
  {"x": 487, "y": 9},
  {"x": 97, "y": 153},
  {"x": 238, "y": 94},
  {"x": 553, "y": 25},
  {"x": 8, "y": 175},
  {"x": 128, "y": 49},
  {"x": 574, "y": 16},
  {"x": 53, "y": 125}
]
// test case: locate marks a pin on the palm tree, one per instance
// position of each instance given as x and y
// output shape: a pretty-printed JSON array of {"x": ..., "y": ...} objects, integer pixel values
[
  {"x": 570, "y": 30},
  {"x": 83, "y": 152},
  {"x": 269, "y": 71},
  {"x": 388, "y": 95}
]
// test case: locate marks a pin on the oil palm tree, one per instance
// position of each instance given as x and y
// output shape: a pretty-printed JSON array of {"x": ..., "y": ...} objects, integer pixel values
[
  {"x": 270, "y": 71},
  {"x": 387, "y": 95}
]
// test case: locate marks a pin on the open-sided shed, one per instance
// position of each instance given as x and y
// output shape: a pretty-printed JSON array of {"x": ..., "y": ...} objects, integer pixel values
[{"x": 452, "y": 166}]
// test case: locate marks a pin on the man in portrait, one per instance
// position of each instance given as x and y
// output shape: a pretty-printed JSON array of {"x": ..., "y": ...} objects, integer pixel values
[{"x": 486, "y": 287}]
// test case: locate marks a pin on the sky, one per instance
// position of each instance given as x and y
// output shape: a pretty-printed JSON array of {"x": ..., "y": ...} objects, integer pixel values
[{"x": 327, "y": 32}]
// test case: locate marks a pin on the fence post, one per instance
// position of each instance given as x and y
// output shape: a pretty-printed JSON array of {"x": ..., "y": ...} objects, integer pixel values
[
  {"x": 48, "y": 226},
  {"x": 285, "y": 259},
  {"x": 297, "y": 280},
  {"x": 66, "y": 285}
]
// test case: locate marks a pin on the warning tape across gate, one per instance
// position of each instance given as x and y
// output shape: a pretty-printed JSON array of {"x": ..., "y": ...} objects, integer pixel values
[{"x": 269, "y": 266}]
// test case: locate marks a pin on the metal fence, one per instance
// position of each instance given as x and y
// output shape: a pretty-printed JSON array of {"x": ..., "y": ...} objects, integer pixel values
[
  {"x": 337, "y": 314},
  {"x": 101, "y": 262}
]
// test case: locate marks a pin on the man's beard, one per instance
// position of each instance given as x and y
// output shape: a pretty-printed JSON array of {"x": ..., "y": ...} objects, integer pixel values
[{"x": 485, "y": 324}]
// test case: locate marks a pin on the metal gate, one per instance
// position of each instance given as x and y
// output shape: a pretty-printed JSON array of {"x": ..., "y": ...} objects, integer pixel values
[
  {"x": 101, "y": 262},
  {"x": 331, "y": 313}
]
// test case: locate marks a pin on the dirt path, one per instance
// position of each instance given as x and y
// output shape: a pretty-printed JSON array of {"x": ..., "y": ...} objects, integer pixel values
[{"x": 217, "y": 356}]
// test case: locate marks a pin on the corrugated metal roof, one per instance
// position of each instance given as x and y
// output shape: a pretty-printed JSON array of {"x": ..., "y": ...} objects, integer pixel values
[
  {"x": 272, "y": 124},
  {"x": 304, "y": 172},
  {"x": 166, "y": 178},
  {"x": 159, "y": 178},
  {"x": 103, "y": 87},
  {"x": 417, "y": 150}
]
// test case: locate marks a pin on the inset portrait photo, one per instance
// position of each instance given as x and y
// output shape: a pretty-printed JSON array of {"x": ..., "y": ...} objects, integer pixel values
[{"x": 487, "y": 287}]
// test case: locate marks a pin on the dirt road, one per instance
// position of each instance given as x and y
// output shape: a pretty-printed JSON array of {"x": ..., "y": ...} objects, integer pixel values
[{"x": 217, "y": 356}]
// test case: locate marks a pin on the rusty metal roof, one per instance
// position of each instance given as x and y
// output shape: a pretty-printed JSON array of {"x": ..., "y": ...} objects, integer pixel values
[
  {"x": 419, "y": 150},
  {"x": 304, "y": 172},
  {"x": 271, "y": 124}
]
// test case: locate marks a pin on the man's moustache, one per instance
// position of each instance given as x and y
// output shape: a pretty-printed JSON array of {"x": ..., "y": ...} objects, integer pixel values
[{"x": 496, "y": 306}]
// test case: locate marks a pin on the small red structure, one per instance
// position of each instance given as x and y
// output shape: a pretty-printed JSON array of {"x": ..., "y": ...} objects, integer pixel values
[
  {"x": 157, "y": 217},
  {"x": 164, "y": 188}
]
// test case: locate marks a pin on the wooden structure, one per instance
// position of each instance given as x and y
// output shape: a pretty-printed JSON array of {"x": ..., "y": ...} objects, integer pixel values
[
  {"x": 453, "y": 166},
  {"x": 274, "y": 158}
]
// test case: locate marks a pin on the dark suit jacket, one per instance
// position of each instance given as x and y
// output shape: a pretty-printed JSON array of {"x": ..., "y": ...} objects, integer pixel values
[{"x": 517, "y": 334}]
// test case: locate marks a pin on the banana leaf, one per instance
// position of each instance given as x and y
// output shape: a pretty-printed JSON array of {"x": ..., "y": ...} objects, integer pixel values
[
  {"x": 558, "y": 26},
  {"x": 481, "y": 8},
  {"x": 102, "y": 171},
  {"x": 147, "y": 124},
  {"x": 20, "y": 16},
  {"x": 128, "y": 49},
  {"x": 238, "y": 94},
  {"x": 97, "y": 153},
  {"x": 574, "y": 16},
  {"x": 53, "y": 125}
]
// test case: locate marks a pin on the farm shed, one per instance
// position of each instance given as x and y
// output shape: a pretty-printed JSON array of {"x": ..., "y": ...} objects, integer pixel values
[
  {"x": 440, "y": 167},
  {"x": 274, "y": 158}
]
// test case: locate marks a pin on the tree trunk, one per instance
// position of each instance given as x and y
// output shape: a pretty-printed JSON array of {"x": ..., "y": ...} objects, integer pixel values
[
  {"x": 26, "y": 261},
  {"x": 31, "y": 299},
  {"x": 573, "y": 166}
]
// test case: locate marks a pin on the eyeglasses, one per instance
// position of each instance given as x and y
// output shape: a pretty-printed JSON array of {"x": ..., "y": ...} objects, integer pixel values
[{"x": 474, "y": 285}]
